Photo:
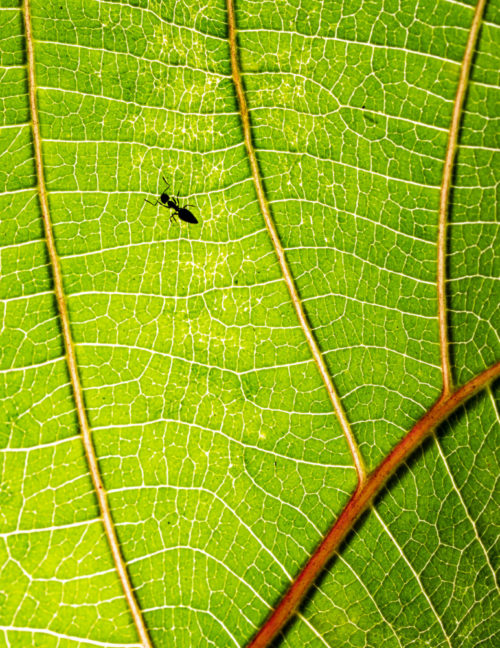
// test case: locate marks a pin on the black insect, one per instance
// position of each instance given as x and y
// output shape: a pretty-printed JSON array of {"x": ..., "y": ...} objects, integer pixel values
[{"x": 172, "y": 202}]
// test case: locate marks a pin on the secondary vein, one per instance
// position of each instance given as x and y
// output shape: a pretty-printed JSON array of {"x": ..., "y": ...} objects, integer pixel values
[
  {"x": 290, "y": 284},
  {"x": 90, "y": 454},
  {"x": 445, "y": 196}
]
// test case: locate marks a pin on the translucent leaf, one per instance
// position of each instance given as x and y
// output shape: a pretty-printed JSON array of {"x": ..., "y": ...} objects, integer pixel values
[{"x": 223, "y": 461}]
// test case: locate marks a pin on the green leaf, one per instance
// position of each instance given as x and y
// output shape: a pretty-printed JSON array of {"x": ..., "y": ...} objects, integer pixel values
[{"x": 223, "y": 461}]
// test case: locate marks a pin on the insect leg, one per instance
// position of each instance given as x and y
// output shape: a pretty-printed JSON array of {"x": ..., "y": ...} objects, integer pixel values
[{"x": 151, "y": 203}]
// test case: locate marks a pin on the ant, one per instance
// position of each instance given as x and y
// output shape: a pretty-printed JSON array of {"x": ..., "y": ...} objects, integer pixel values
[{"x": 171, "y": 202}]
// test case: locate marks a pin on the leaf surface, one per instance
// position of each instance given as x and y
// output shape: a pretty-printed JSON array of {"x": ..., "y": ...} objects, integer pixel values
[{"x": 223, "y": 461}]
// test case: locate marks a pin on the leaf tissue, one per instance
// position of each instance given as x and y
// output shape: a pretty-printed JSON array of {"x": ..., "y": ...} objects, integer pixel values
[{"x": 278, "y": 425}]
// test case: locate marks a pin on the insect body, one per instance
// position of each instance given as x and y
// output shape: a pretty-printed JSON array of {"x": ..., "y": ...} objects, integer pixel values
[{"x": 172, "y": 202}]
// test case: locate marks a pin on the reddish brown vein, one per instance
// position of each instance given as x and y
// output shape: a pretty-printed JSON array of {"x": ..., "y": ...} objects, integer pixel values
[
  {"x": 445, "y": 196},
  {"x": 362, "y": 498},
  {"x": 70, "y": 348}
]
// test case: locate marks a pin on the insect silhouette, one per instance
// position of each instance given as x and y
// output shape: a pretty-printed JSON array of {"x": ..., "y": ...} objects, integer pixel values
[{"x": 172, "y": 202}]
